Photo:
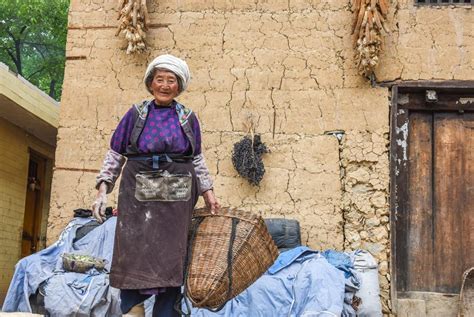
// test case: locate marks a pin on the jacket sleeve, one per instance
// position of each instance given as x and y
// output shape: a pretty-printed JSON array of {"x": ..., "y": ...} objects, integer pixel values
[
  {"x": 111, "y": 169},
  {"x": 202, "y": 173},
  {"x": 121, "y": 137}
]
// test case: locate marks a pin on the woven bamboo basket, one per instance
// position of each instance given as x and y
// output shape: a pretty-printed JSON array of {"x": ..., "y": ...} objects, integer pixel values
[
  {"x": 225, "y": 261},
  {"x": 466, "y": 296}
]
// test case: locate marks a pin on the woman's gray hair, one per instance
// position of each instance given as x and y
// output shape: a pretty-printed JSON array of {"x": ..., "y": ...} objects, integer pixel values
[{"x": 151, "y": 75}]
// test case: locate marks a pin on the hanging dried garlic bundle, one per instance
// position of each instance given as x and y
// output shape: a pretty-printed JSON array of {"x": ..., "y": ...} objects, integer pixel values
[
  {"x": 368, "y": 24},
  {"x": 133, "y": 18}
]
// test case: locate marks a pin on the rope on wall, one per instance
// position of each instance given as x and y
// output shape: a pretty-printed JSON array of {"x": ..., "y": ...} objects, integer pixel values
[
  {"x": 133, "y": 21},
  {"x": 368, "y": 26}
]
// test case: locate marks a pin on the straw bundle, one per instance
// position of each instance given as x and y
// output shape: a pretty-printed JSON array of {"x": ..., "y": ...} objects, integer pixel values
[{"x": 229, "y": 252}]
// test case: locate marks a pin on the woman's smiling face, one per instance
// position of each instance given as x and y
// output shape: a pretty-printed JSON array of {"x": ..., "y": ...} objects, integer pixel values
[{"x": 165, "y": 87}]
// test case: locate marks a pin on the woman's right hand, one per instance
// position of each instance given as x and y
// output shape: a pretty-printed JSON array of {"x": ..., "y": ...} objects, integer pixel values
[
  {"x": 100, "y": 203},
  {"x": 211, "y": 201}
]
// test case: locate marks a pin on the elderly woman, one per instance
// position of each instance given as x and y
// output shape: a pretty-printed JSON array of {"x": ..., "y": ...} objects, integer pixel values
[{"x": 159, "y": 141}]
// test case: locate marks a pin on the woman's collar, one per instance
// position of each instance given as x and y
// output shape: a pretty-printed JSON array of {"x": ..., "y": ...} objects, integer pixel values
[{"x": 171, "y": 105}]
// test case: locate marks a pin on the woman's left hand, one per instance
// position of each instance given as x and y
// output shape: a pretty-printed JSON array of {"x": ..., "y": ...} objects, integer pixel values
[{"x": 211, "y": 201}]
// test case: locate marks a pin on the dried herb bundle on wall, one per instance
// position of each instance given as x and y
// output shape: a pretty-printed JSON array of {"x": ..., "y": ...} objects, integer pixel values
[
  {"x": 247, "y": 155},
  {"x": 369, "y": 23},
  {"x": 247, "y": 158},
  {"x": 133, "y": 19}
]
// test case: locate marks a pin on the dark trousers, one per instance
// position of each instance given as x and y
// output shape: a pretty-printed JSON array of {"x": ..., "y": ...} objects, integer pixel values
[{"x": 164, "y": 302}]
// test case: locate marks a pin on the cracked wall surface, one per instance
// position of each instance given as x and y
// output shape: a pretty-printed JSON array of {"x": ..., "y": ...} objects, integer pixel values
[
  {"x": 429, "y": 42},
  {"x": 287, "y": 64},
  {"x": 365, "y": 208}
]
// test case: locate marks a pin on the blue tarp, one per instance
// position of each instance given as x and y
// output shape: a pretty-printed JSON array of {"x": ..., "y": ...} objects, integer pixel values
[
  {"x": 345, "y": 262},
  {"x": 301, "y": 282},
  {"x": 67, "y": 293}
]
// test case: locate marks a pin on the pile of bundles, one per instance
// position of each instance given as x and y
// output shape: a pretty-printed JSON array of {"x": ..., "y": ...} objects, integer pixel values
[
  {"x": 369, "y": 22},
  {"x": 70, "y": 277},
  {"x": 134, "y": 21},
  {"x": 237, "y": 265}
]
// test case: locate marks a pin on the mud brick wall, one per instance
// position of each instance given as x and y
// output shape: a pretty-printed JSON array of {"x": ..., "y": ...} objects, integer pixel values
[{"x": 288, "y": 65}]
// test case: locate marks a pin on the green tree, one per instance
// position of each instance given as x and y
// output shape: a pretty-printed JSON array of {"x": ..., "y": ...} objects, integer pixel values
[{"x": 33, "y": 41}]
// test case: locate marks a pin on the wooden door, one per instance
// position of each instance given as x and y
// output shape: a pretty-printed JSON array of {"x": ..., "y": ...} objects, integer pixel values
[
  {"x": 433, "y": 171},
  {"x": 33, "y": 205}
]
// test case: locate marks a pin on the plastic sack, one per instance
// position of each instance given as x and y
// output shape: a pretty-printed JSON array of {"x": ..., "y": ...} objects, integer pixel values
[
  {"x": 285, "y": 232},
  {"x": 369, "y": 292}
]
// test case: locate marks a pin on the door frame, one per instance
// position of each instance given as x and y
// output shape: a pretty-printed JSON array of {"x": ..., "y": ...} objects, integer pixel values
[{"x": 399, "y": 134}]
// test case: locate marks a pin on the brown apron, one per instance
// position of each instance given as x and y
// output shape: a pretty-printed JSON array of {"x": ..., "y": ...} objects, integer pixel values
[{"x": 154, "y": 216}]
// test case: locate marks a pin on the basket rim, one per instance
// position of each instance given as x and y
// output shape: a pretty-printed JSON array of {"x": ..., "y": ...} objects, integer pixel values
[{"x": 227, "y": 212}]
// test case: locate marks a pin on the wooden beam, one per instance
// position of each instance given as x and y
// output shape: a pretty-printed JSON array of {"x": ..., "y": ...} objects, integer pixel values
[
  {"x": 101, "y": 27},
  {"x": 414, "y": 85},
  {"x": 87, "y": 170},
  {"x": 461, "y": 101},
  {"x": 393, "y": 204}
]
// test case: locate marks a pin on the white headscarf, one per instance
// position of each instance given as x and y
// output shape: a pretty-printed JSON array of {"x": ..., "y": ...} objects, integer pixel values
[{"x": 173, "y": 64}]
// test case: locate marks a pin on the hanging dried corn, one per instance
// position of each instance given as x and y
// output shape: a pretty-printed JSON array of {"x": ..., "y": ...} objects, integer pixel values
[
  {"x": 133, "y": 23},
  {"x": 369, "y": 23}
]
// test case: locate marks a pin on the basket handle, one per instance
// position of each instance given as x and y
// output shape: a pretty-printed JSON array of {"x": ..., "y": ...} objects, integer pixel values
[{"x": 183, "y": 295}]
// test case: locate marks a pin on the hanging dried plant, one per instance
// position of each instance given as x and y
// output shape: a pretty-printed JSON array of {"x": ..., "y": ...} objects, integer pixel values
[
  {"x": 134, "y": 21},
  {"x": 247, "y": 155},
  {"x": 369, "y": 24}
]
